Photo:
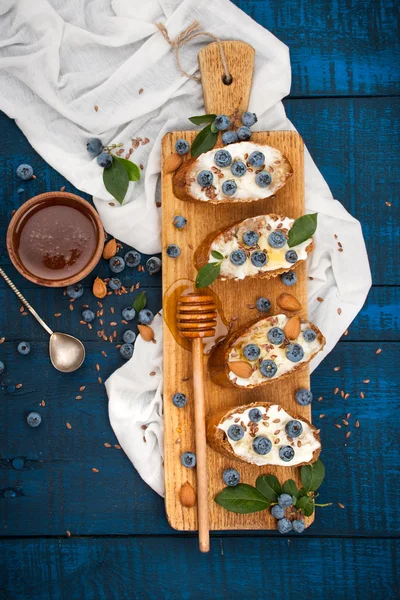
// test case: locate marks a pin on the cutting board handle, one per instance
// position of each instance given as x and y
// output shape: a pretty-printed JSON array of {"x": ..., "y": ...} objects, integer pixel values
[{"x": 220, "y": 98}]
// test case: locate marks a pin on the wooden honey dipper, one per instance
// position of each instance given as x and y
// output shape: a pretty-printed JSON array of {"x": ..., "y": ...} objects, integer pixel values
[{"x": 196, "y": 319}]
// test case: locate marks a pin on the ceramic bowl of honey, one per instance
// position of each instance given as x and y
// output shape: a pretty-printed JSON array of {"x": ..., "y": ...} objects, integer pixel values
[{"x": 55, "y": 239}]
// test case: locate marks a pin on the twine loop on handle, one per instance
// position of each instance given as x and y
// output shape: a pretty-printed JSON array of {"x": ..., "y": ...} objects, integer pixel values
[{"x": 186, "y": 36}]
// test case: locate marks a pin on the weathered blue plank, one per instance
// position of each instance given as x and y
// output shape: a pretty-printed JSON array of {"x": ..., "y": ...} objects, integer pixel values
[{"x": 173, "y": 569}]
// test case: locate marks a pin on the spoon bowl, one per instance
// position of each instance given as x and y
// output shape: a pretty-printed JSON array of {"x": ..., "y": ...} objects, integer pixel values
[{"x": 67, "y": 353}]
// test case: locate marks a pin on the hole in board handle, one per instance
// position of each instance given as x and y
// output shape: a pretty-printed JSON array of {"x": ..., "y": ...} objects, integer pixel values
[{"x": 227, "y": 79}]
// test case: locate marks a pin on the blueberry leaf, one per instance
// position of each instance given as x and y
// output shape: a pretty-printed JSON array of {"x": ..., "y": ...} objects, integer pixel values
[
  {"x": 273, "y": 483},
  {"x": 217, "y": 255},
  {"x": 242, "y": 499},
  {"x": 266, "y": 489},
  {"x": 140, "y": 302},
  {"x": 312, "y": 476},
  {"x": 208, "y": 274},
  {"x": 303, "y": 228},
  {"x": 116, "y": 180},
  {"x": 130, "y": 167},
  {"x": 202, "y": 119},
  {"x": 205, "y": 140},
  {"x": 289, "y": 487},
  {"x": 306, "y": 504}
]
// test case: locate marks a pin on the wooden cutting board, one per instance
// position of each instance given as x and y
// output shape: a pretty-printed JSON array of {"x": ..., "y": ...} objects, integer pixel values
[{"x": 233, "y": 298}]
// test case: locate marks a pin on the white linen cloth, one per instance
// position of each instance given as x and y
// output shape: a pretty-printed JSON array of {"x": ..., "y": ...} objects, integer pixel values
[{"x": 58, "y": 60}]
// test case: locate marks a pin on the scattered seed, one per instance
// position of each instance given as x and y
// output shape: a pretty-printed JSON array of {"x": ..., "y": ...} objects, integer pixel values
[
  {"x": 378, "y": 351},
  {"x": 107, "y": 445},
  {"x": 345, "y": 422},
  {"x": 357, "y": 424},
  {"x": 110, "y": 338},
  {"x": 43, "y": 403},
  {"x": 68, "y": 533},
  {"x": 321, "y": 416},
  {"x": 346, "y": 396},
  {"x": 335, "y": 391},
  {"x": 103, "y": 353},
  {"x": 112, "y": 310},
  {"x": 99, "y": 379},
  {"x": 348, "y": 434},
  {"x": 338, "y": 426},
  {"x": 2, "y": 340},
  {"x": 18, "y": 386},
  {"x": 144, "y": 427},
  {"x": 342, "y": 393},
  {"x": 90, "y": 326},
  {"x": 141, "y": 91},
  {"x": 339, "y": 311},
  {"x": 95, "y": 470},
  {"x": 340, "y": 505},
  {"x": 82, "y": 322},
  {"x": 320, "y": 398},
  {"x": 388, "y": 203},
  {"x": 124, "y": 322},
  {"x": 97, "y": 367},
  {"x": 348, "y": 415},
  {"x": 117, "y": 446},
  {"x": 336, "y": 369},
  {"x": 346, "y": 332},
  {"x": 96, "y": 108},
  {"x": 24, "y": 313},
  {"x": 113, "y": 324},
  {"x": 71, "y": 307},
  {"x": 320, "y": 299},
  {"x": 362, "y": 395},
  {"x": 366, "y": 380},
  {"x": 78, "y": 397},
  {"x": 58, "y": 315},
  {"x": 21, "y": 310},
  {"x": 62, "y": 189},
  {"x": 105, "y": 338},
  {"x": 335, "y": 236},
  {"x": 69, "y": 426},
  {"x": 101, "y": 322}
]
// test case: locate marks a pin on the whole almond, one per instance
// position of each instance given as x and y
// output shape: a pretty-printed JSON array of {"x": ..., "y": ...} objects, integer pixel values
[
  {"x": 241, "y": 368},
  {"x": 288, "y": 302},
  {"x": 146, "y": 332},
  {"x": 99, "y": 288},
  {"x": 172, "y": 162},
  {"x": 292, "y": 328},
  {"x": 187, "y": 495},
  {"x": 110, "y": 249}
]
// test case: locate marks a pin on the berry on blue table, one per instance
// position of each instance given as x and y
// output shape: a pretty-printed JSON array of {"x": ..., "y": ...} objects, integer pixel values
[
  {"x": 294, "y": 352},
  {"x": 222, "y": 122},
  {"x": 298, "y": 525},
  {"x": 182, "y": 146},
  {"x": 18, "y": 463},
  {"x": 263, "y": 179},
  {"x": 9, "y": 494},
  {"x": 303, "y": 396},
  {"x": 284, "y": 525},
  {"x": 128, "y": 313},
  {"x": 205, "y": 178},
  {"x": 179, "y": 400},
  {"x": 145, "y": 316},
  {"x": 229, "y": 187},
  {"x": 276, "y": 335},
  {"x": 238, "y": 168},
  {"x": 116, "y": 264},
  {"x": 277, "y": 511},
  {"x": 309, "y": 335},
  {"x": 259, "y": 259},
  {"x": 268, "y": 368},
  {"x": 75, "y": 291},
  {"x": 262, "y": 445},
  {"x": 222, "y": 158},
  {"x": 105, "y": 160},
  {"x": 231, "y": 477},
  {"x": 229, "y": 137},
  {"x": 286, "y": 453},
  {"x": 243, "y": 133},
  {"x": 88, "y": 315},
  {"x": 250, "y": 238},
  {"x": 294, "y": 428},
  {"x": 255, "y": 415},
  {"x": 33, "y": 419},
  {"x": 2, "y": 367},
  {"x": 237, "y": 257},
  {"x": 263, "y": 304},
  {"x": 291, "y": 256},
  {"x": 94, "y": 146},
  {"x": 153, "y": 265},
  {"x": 249, "y": 119},
  {"x": 173, "y": 251},
  {"x": 126, "y": 351},
  {"x": 188, "y": 460},
  {"x": 277, "y": 239},
  {"x": 289, "y": 279},
  {"x": 24, "y": 172},
  {"x": 132, "y": 258},
  {"x": 24, "y": 348},
  {"x": 285, "y": 500},
  {"x": 114, "y": 283},
  {"x": 235, "y": 432},
  {"x": 251, "y": 352},
  {"x": 256, "y": 159},
  {"x": 179, "y": 222},
  {"x": 129, "y": 336}
]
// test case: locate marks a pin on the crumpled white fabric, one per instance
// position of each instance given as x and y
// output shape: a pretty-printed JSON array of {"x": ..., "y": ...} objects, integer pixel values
[{"x": 60, "y": 59}]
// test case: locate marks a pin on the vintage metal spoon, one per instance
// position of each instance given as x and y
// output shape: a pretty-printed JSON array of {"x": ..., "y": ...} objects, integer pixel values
[{"x": 67, "y": 353}]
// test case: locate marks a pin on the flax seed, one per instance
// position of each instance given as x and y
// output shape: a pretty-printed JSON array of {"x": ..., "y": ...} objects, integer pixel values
[
  {"x": 43, "y": 403},
  {"x": 345, "y": 422},
  {"x": 388, "y": 203},
  {"x": 82, "y": 388},
  {"x": 321, "y": 416},
  {"x": 348, "y": 415},
  {"x": 338, "y": 426},
  {"x": 124, "y": 322},
  {"x": 357, "y": 424},
  {"x": 69, "y": 426},
  {"x": 103, "y": 353},
  {"x": 335, "y": 391},
  {"x": 362, "y": 395},
  {"x": 18, "y": 386},
  {"x": 277, "y": 441},
  {"x": 336, "y": 369},
  {"x": 99, "y": 379},
  {"x": 276, "y": 421},
  {"x": 68, "y": 533},
  {"x": 71, "y": 307},
  {"x": 342, "y": 393},
  {"x": 114, "y": 334},
  {"x": 97, "y": 367},
  {"x": 320, "y": 398},
  {"x": 348, "y": 434},
  {"x": 90, "y": 326},
  {"x": 340, "y": 505},
  {"x": 378, "y": 351},
  {"x": 58, "y": 315},
  {"x": 346, "y": 332},
  {"x": 277, "y": 432},
  {"x": 346, "y": 396},
  {"x": 78, "y": 397},
  {"x": 21, "y": 310},
  {"x": 320, "y": 299},
  {"x": 96, "y": 108},
  {"x": 105, "y": 338},
  {"x": 62, "y": 189},
  {"x": 117, "y": 446},
  {"x": 366, "y": 380},
  {"x": 113, "y": 324},
  {"x": 82, "y": 322},
  {"x": 339, "y": 311},
  {"x": 2, "y": 340},
  {"x": 95, "y": 470},
  {"x": 112, "y": 310}
]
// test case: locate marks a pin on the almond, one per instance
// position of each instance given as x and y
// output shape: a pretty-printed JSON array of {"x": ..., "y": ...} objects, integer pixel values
[
  {"x": 110, "y": 249},
  {"x": 99, "y": 288},
  {"x": 292, "y": 328},
  {"x": 288, "y": 302},
  {"x": 172, "y": 162},
  {"x": 146, "y": 332},
  {"x": 187, "y": 495},
  {"x": 241, "y": 368}
]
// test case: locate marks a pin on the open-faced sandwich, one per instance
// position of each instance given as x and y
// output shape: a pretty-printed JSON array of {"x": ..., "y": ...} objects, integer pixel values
[
  {"x": 264, "y": 351},
  {"x": 263, "y": 434},
  {"x": 243, "y": 173}
]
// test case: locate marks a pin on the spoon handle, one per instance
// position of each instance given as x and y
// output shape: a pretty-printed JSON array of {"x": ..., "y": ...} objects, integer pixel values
[{"x": 25, "y": 301}]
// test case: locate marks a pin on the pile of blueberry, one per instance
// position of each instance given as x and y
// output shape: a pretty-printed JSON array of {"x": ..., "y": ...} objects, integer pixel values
[
  {"x": 223, "y": 123},
  {"x": 96, "y": 150},
  {"x": 285, "y": 525}
]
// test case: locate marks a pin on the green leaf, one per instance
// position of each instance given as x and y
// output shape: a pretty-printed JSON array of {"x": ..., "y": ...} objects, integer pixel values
[
  {"x": 205, "y": 140},
  {"x": 289, "y": 487},
  {"x": 217, "y": 255},
  {"x": 266, "y": 489},
  {"x": 208, "y": 274},
  {"x": 116, "y": 180},
  {"x": 140, "y": 302},
  {"x": 242, "y": 499},
  {"x": 303, "y": 228},
  {"x": 213, "y": 128},
  {"x": 312, "y": 476},
  {"x": 272, "y": 482},
  {"x": 202, "y": 119},
  {"x": 130, "y": 167},
  {"x": 306, "y": 504}
]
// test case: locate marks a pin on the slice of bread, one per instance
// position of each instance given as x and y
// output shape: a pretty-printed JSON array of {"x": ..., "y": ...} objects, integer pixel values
[
  {"x": 306, "y": 447},
  {"x": 228, "y": 239},
  {"x": 231, "y": 350},
  {"x": 186, "y": 186}
]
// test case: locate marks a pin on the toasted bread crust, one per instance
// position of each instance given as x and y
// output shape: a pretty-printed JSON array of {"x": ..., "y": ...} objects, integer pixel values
[{"x": 217, "y": 439}]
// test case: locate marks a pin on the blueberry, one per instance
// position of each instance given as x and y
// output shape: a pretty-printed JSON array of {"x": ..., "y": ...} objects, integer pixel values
[
  {"x": 284, "y": 525},
  {"x": 128, "y": 313},
  {"x": 250, "y": 238},
  {"x": 24, "y": 348},
  {"x": 182, "y": 146},
  {"x": 173, "y": 251},
  {"x": 11, "y": 389},
  {"x": 146, "y": 316},
  {"x": 105, "y": 160},
  {"x": 116, "y": 264},
  {"x": 126, "y": 351},
  {"x": 229, "y": 187},
  {"x": 114, "y": 283},
  {"x": 289, "y": 278},
  {"x": 294, "y": 352},
  {"x": 188, "y": 459},
  {"x": 205, "y": 178},
  {"x": 9, "y": 494},
  {"x": 88, "y": 315},
  {"x": 298, "y": 525},
  {"x": 231, "y": 477},
  {"x": 294, "y": 428},
  {"x": 243, "y": 133},
  {"x": 235, "y": 432},
  {"x": 18, "y": 463},
  {"x": 75, "y": 291},
  {"x": 249, "y": 119},
  {"x": 222, "y": 122},
  {"x": 238, "y": 168},
  {"x": 229, "y": 137},
  {"x": 33, "y": 419},
  {"x": 291, "y": 256},
  {"x": 179, "y": 222},
  {"x": 285, "y": 500},
  {"x": 129, "y": 336},
  {"x": 94, "y": 146},
  {"x": 277, "y": 511},
  {"x": 2, "y": 367},
  {"x": 276, "y": 335},
  {"x": 237, "y": 257},
  {"x": 309, "y": 335},
  {"x": 251, "y": 352},
  {"x": 179, "y": 400},
  {"x": 286, "y": 453},
  {"x": 153, "y": 265},
  {"x": 255, "y": 415},
  {"x": 222, "y": 158},
  {"x": 259, "y": 259},
  {"x": 132, "y": 258},
  {"x": 262, "y": 445},
  {"x": 263, "y": 304},
  {"x": 256, "y": 159},
  {"x": 303, "y": 396},
  {"x": 276, "y": 239},
  {"x": 268, "y": 368},
  {"x": 24, "y": 172},
  {"x": 263, "y": 179}
]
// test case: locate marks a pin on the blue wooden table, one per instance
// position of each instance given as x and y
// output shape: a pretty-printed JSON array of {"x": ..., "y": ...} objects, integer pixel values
[{"x": 69, "y": 532}]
